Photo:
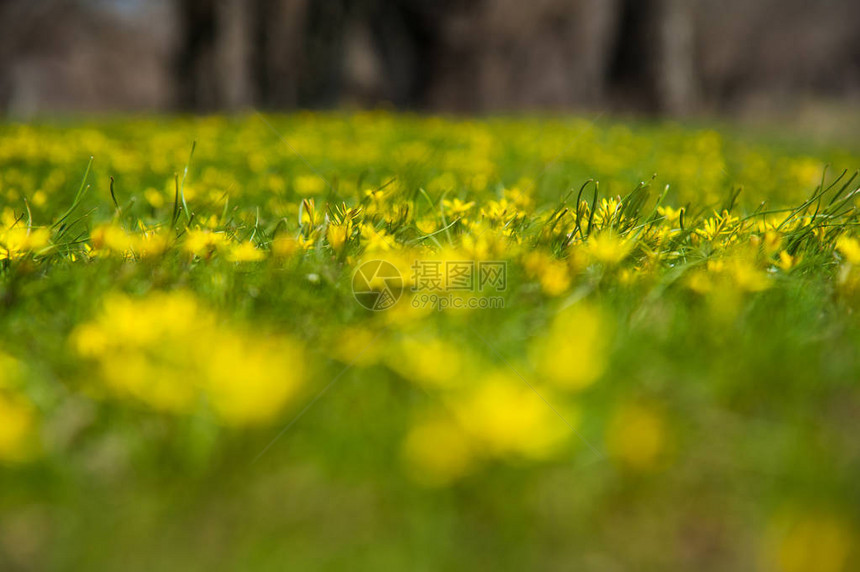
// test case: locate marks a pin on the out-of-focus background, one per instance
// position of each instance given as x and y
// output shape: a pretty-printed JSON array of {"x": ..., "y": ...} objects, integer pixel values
[{"x": 796, "y": 58}]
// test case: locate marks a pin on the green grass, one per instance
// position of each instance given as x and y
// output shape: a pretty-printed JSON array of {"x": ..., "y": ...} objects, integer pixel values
[{"x": 188, "y": 382}]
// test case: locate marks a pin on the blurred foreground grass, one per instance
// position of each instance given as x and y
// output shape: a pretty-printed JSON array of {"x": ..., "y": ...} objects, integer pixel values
[{"x": 666, "y": 378}]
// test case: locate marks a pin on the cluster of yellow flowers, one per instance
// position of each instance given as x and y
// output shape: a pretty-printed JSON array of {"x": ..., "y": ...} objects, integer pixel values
[
  {"x": 170, "y": 353},
  {"x": 18, "y": 239},
  {"x": 482, "y": 411}
]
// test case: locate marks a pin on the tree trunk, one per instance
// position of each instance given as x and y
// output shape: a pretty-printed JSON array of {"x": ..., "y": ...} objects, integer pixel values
[
  {"x": 676, "y": 71},
  {"x": 212, "y": 62}
]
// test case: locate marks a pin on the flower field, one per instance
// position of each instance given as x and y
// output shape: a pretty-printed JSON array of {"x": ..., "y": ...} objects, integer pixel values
[{"x": 376, "y": 341}]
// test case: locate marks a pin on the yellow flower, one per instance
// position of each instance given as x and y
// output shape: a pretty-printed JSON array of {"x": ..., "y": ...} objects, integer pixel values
[
  {"x": 553, "y": 274},
  {"x": 746, "y": 276},
  {"x": 506, "y": 418},
  {"x": 636, "y": 436},
  {"x": 358, "y": 346},
  {"x": 154, "y": 198},
  {"x": 499, "y": 212},
  {"x": 170, "y": 353},
  {"x": 849, "y": 247},
  {"x": 426, "y": 225},
  {"x": 438, "y": 452},
  {"x": 284, "y": 246},
  {"x": 245, "y": 252},
  {"x": 721, "y": 224},
  {"x": 337, "y": 235},
  {"x": 573, "y": 353},
  {"x": 18, "y": 425},
  {"x": 431, "y": 362},
  {"x": 812, "y": 542},
  {"x": 786, "y": 261},
  {"x": 608, "y": 212},
  {"x": 671, "y": 216},
  {"x": 608, "y": 248},
  {"x": 520, "y": 196},
  {"x": 772, "y": 241},
  {"x": 111, "y": 238},
  {"x": 376, "y": 240},
  {"x": 700, "y": 282},
  {"x": 204, "y": 243},
  {"x": 40, "y": 197},
  {"x": 457, "y": 208},
  {"x": 20, "y": 240}
]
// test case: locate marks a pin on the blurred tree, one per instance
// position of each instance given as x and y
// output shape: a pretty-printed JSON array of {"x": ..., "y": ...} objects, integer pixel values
[
  {"x": 667, "y": 56},
  {"x": 654, "y": 63},
  {"x": 19, "y": 23},
  {"x": 676, "y": 81},
  {"x": 270, "y": 53},
  {"x": 197, "y": 70}
]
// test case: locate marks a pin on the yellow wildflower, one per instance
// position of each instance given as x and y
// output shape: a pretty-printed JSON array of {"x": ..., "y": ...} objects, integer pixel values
[
  {"x": 338, "y": 234},
  {"x": 573, "y": 353},
  {"x": 204, "y": 243},
  {"x": 849, "y": 247},
  {"x": 608, "y": 248},
  {"x": 553, "y": 274},
  {"x": 376, "y": 240},
  {"x": 457, "y": 208},
  {"x": 168, "y": 352},
  {"x": 154, "y": 198},
  {"x": 20, "y": 240},
  {"x": 507, "y": 418},
  {"x": 245, "y": 252}
]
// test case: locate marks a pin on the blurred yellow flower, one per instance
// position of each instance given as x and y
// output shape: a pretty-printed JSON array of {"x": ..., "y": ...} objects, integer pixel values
[
  {"x": 18, "y": 425},
  {"x": 849, "y": 247},
  {"x": 636, "y": 436},
  {"x": 671, "y": 216},
  {"x": 358, "y": 346},
  {"x": 337, "y": 235},
  {"x": 245, "y": 252},
  {"x": 204, "y": 243},
  {"x": 306, "y": 185},
  {"x": 505, "y": 417},
  {"x": 284, "y": 246},
  {"x": 429, "y": 361},
  {"x": 167, "y": 351},
  {"x": 457, "y": 208},
  {"x": 786, "y": 261},
  {"x": 573, "y": 353},
  {"x": 812, "y": 542},
  {"x": 376, "y": 240},
  {"x": 19, "y": 240},
  {"x": 438, "y": 452},
  {"x": 553, "y": 274},
  {"x": 154, "y": 198},
  {"x": 608, "y": 248}
]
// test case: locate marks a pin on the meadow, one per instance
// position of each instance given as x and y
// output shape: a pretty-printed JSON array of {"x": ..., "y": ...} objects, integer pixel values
[{"x": 590, "y": 344}]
